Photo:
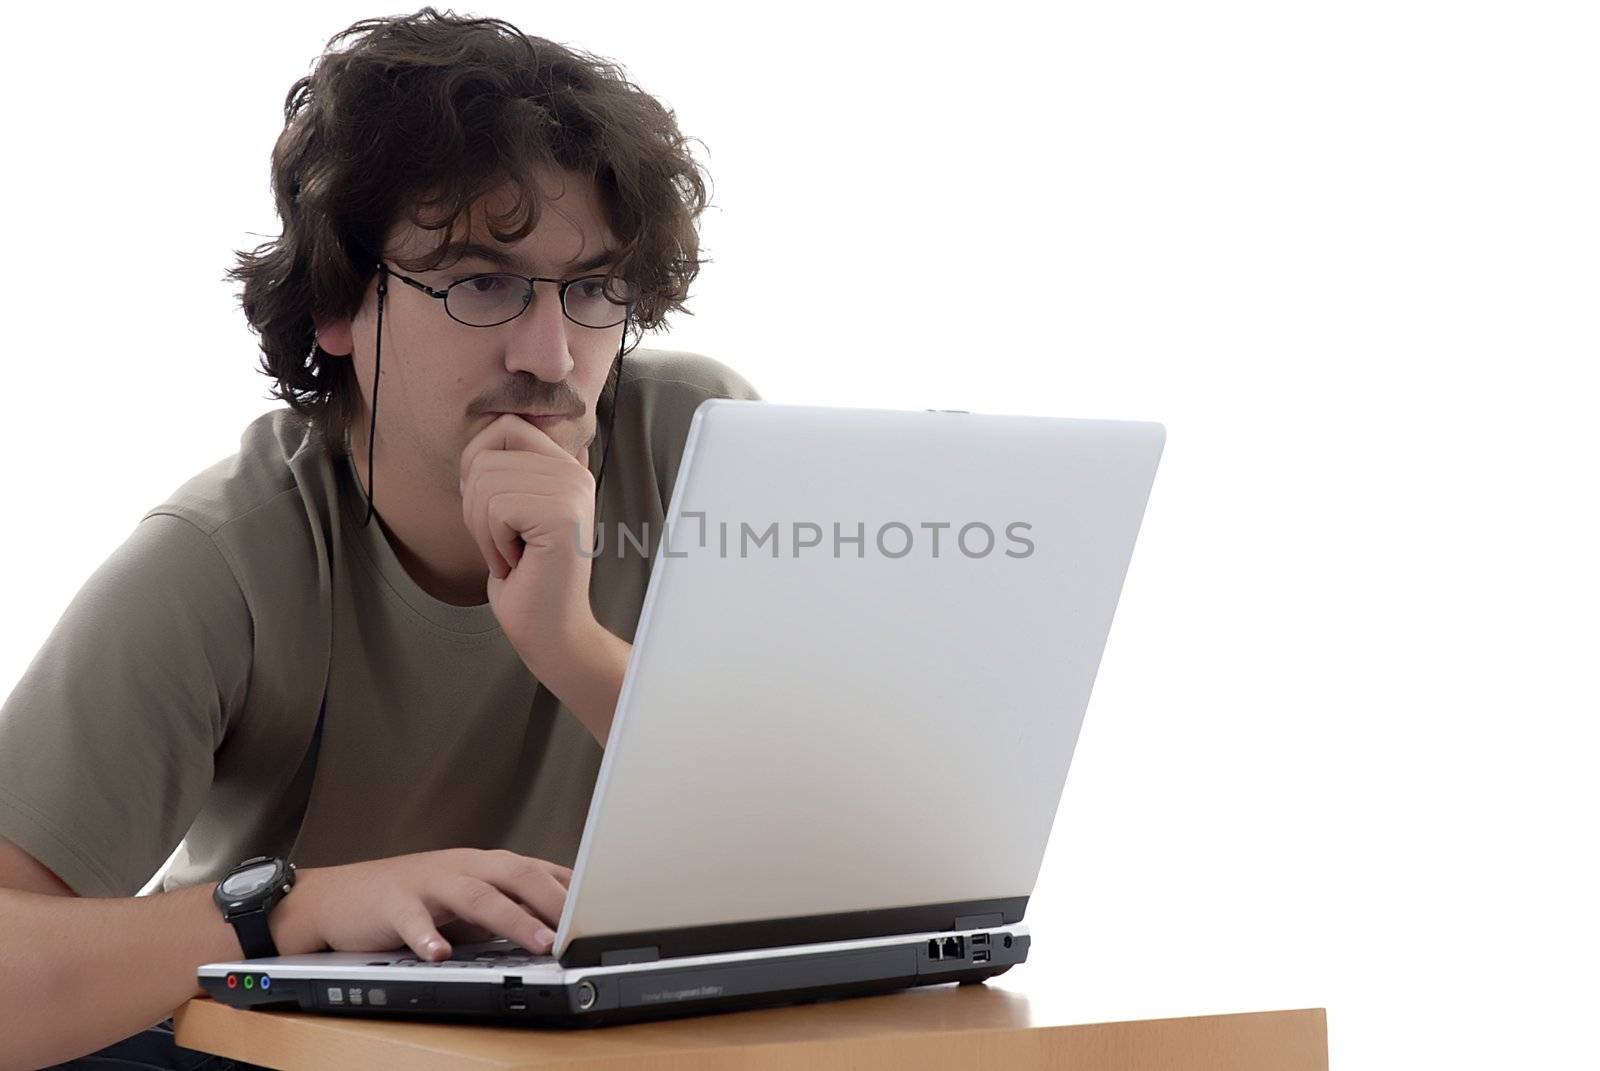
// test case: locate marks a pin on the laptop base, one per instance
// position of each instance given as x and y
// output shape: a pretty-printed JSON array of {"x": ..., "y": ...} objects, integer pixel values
[{"x": 622, "y": 996}]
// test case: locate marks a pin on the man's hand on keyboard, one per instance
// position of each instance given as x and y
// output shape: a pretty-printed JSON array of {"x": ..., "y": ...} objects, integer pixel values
[{"x": 403, "y": 902}]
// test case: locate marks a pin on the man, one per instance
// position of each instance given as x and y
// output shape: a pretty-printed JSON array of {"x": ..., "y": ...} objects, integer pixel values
[{"x": 375, "y": 641}]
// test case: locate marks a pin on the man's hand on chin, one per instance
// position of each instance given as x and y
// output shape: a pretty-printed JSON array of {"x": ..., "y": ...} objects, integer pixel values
[{"x": 530, "y": 507}]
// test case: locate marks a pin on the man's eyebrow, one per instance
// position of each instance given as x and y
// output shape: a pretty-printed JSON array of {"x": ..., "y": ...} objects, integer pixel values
[{"x": 500, "y": 258}]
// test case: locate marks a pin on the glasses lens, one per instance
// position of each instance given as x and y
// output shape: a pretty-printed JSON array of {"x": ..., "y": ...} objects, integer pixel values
[
  {"x": 593, "y": 303},
  {"x": 486, "y": 300}
]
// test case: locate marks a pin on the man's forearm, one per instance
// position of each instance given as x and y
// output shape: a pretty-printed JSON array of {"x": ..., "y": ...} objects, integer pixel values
[
  {"x": 78, "y": 973},
  {"x": 586, "y": 675}
]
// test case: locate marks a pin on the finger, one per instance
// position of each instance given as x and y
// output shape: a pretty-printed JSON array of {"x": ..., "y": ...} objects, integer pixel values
[
  {"x": 473, "y": 516},
  {"x": 506, "y": 537},
  {"x": 524, "y": 461},
  {"x": 540, "y": 519},
  {"x": 562, "y": 874},
  {"x": 502, "y": 548},
  {"x": 529, "y": 880},
  {"x": 530, "y": 438},
  {"x": 413, "y": 924},
  {"x": 471, "y": 898},
  {"x": 499, "y": 524},
  {"x": 511, "y": 433}
]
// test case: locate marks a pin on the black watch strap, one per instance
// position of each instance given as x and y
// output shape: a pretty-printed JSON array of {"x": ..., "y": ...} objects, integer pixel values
[{"x": 255, "y": 936}]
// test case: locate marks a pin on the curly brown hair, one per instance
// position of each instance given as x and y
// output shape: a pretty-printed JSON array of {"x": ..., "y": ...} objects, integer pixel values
[{"x": 424, "y": 114}]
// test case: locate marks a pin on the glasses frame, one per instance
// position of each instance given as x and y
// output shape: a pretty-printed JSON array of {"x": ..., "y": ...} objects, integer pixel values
[{"x": 563, "y": 286}]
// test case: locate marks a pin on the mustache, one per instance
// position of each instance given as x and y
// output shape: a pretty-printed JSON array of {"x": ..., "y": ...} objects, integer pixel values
[{"x": 529, "y": 392}]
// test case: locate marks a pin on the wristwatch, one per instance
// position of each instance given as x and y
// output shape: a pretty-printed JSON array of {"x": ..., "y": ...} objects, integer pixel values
[{"x": 247, "y": 894}]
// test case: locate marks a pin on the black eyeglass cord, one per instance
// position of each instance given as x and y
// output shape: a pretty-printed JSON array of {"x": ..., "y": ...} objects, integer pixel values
[
  {"x": 377, "y": 374},
  {"x": 377, "y": 370}
]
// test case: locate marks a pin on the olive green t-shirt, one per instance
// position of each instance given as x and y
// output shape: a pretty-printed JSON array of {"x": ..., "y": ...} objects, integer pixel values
[{"x": 176, "y": 699}]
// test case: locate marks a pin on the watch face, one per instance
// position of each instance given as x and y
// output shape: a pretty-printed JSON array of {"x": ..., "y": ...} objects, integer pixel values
[{"x": 249, "y": 882}]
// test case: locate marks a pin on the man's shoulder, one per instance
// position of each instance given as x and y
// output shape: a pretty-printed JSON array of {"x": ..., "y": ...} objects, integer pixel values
[
  {"x": 661, "y": 389},
  {"x": 680, "y": 378},
  {"x": 278, "y": 461}
]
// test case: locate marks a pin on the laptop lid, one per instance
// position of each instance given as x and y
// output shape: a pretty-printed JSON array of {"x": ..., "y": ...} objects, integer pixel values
[{"x": 858, "y": 676}]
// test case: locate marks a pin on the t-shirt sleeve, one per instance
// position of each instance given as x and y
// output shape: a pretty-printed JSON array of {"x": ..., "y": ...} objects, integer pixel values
[{"x": 106, "y": 742}]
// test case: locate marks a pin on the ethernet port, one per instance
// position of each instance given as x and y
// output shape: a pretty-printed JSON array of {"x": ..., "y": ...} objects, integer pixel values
[{"x": 954, "y": 947}]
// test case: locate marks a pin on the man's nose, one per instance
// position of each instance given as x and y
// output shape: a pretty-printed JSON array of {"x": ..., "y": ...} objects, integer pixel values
[{"x": 538, "y": 338}]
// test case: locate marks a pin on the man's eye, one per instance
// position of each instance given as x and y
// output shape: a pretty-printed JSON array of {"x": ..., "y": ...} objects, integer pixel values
[
  {"x": 591, "y": 288},
  {"x": 484, "y": 284}
]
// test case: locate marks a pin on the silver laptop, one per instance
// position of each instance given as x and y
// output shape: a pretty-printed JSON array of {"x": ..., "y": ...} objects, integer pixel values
[{"x": 857, "y": 681}]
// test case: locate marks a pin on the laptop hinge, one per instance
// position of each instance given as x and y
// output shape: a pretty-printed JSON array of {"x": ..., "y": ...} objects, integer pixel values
[
  {"x": 979, "y": 922},
  {"x": 648, "y": 954}
]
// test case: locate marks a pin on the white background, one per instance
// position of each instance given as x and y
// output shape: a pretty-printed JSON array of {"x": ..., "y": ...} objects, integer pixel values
[{"x": 1339, "y": 753}]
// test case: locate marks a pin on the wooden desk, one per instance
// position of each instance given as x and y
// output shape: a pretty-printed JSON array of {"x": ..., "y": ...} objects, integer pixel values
[{"x": 978, "y": 1026}]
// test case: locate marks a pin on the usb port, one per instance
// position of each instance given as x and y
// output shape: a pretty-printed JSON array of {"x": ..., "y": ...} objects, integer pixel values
[
  {"x": 980, "y": 940},
  {"x": 980, "y": 957}
]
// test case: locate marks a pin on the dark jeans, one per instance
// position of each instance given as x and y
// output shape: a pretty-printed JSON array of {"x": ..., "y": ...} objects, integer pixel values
[{"x": 153, "y": 1050}]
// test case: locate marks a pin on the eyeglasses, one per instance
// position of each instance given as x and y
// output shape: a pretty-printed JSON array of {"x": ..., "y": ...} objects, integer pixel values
[{"x": 494, "y": 298}]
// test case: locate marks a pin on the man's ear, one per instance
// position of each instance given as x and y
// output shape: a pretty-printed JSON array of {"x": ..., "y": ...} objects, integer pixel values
[{"x": 336, "y": 337}]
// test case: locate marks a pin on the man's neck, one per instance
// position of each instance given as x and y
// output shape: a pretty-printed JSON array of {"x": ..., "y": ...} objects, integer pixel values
[{"x": 425, "y": 530}]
